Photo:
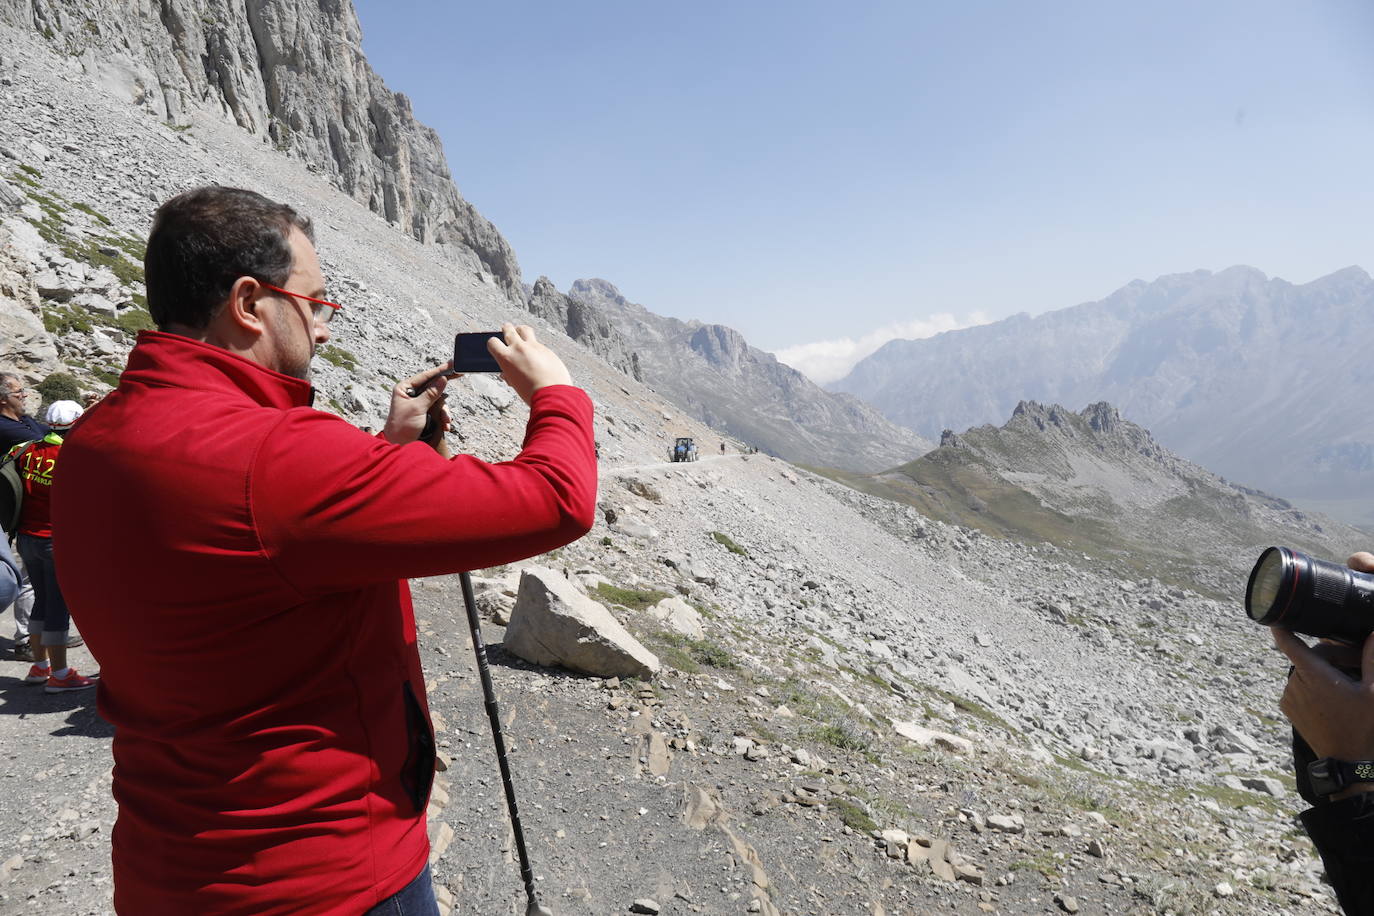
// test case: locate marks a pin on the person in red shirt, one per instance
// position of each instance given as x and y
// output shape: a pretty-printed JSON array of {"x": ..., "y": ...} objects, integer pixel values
[
  {"x": 238, "y": 560},
  {"x": 49, "y": 621}
]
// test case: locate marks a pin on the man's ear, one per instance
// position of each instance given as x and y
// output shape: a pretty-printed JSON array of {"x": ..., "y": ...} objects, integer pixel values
[{"x": 241, "y": 313}]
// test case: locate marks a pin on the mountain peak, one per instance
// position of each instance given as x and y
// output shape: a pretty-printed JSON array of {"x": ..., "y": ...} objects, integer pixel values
[{"x": 597, "y": 289}]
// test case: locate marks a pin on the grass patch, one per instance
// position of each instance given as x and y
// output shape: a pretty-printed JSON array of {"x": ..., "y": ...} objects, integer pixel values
[
  {"x": 1227, "y": 797},
  {"x": 91, "y": 212},
  {"x": 634, "y": 599},
  {"x": 30, "y": 171},
  {"x": 724, "y": 540},
  {"x": 1073, "y": 763},
  {"x": 977, "y": 710},
  {"x": 1045, "y": 863},
  {"x": 339, "y": 357},
  {"x": 843, "y": 734},
  {"x": 133, "y": 320},
  {"x": 63, "y": 319},
  {"x": 93, "y": 252},
  {"x": 686, "y": 654},
  {"x": 868, "y": 677},
  {"x": 854, "y": 817}
]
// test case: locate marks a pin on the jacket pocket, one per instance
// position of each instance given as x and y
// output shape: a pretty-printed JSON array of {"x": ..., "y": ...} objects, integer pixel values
[{"x": 417, "y": 773}]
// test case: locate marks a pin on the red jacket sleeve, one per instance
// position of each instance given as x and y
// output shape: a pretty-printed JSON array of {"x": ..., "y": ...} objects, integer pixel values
[{"x": 336, "y": 508}]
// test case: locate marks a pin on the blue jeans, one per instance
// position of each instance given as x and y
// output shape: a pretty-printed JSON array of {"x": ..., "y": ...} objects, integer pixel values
[
  {"x": 49, "y": 615},
  {"x": 415, "y": 899}
]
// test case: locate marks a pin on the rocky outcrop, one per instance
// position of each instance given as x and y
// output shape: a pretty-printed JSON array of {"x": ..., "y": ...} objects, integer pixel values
[
  {"x": 1100, "y": 485},
  {"x": 555, "y": 624},
  {"x": 25, "y": 345},
  {"x": 713, "y": 373},
  {"x": 293, "y": 73},
  {"x": 584, "y": 323}
]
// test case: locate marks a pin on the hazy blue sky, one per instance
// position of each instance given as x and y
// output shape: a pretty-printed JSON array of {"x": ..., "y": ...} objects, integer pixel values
[{"x": 812, "y": 173}]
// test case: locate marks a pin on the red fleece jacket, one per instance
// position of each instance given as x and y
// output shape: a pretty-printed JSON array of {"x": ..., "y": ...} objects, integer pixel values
[{"x": 236, "y": 562}]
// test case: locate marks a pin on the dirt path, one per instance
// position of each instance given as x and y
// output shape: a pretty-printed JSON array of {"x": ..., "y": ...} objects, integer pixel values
[{"x": 661, "y": 465}]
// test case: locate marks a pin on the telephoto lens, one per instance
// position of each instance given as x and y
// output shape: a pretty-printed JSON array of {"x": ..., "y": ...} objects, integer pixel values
[{"x": 1291, "y": 590}]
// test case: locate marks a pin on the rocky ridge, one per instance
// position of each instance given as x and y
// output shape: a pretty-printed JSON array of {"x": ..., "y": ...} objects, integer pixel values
[
  {"x": 585, "y": 324},
  {"x": 711, "y": 372},
  {"x": 1233, "y": 370},
  {"x": 292, "y": 74},
  {"x": 1095, "y": 483},
  {"x": 881, "y": 713}
]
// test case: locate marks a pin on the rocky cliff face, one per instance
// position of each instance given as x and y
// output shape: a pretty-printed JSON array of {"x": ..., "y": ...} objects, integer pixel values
[
  {"x": 291, "y": 72},
  {"x": 1095, "y": 483},
  {"x": 712, "y": 373},
  {"x": 1233, "y": 369},
  {"x": 584, "y": 323}
]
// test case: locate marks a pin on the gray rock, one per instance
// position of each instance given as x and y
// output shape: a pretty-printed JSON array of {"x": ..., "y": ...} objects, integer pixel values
[
  {"x": 1266, "y": 784},
  {"x": 1007, "y": 823},
  {"x": 679, "y": 617},
  {"x": 555, "y": 624},
  {"x": 10, "y": 199}
]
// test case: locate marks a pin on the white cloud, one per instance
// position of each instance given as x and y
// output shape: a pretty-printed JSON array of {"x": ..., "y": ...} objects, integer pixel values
[{"x": 828, "y": 360}]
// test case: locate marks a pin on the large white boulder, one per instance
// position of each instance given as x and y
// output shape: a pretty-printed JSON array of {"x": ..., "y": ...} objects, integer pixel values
[
  {"x": 679, "y": 617},
  {"x": 925, "y": 737},
  {"x": 555, "y": 624}
]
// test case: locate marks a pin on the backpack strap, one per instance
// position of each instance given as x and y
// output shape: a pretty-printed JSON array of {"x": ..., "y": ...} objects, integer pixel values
[{"x": 12, "y": 488}]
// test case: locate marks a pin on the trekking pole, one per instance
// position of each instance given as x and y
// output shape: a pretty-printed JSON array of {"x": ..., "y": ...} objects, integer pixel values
[{"x": 479, "y": 646}]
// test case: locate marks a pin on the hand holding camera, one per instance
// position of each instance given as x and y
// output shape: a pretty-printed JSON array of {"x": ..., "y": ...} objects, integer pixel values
[
  {"x": 417, "y": 403},
  {"x": 1329, "y": 696},
  {"x": 526, "y": 364},
  {"x": 417, "y": 407}
]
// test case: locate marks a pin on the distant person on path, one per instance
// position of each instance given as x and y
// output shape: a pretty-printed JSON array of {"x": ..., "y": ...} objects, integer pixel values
[
  {"x": 49, "y": 621},
  {"x": 17, "y": 426},
  {"x": 237, "y": 561},
  {"x": 722, "y": 448},
  {"x": 1333, "y": 716}
]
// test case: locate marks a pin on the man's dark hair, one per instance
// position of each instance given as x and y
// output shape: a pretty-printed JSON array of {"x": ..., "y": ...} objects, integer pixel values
[{"x": 203, "y": 240}]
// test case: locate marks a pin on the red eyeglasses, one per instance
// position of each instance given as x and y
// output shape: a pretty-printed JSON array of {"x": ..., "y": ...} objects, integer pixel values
[{"x": 322, "y": 315}]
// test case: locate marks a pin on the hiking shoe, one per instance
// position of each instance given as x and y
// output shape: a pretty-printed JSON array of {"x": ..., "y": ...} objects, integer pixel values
[
  {"x": 37, "y": 675},
  {"x": 23, "y": 652},
  {"x": 75, "y": 640},
  {"x": 73, "y": 681}
]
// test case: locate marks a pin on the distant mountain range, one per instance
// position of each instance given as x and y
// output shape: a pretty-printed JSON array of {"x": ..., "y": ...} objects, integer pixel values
[
  {"x": 1096, "y": 484},
  {"x": 712, "y": 373},
  {"x": 1256, "y": 378}
]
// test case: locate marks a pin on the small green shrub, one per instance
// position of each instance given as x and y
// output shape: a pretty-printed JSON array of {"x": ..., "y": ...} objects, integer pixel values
[
  {"x": 697, "y": 651},
  {"x": 60, "y": 386},
  {"x": 724, "y": 540},
  {"x": 843, "y": 734},
  {"x": 30, "y": 171},
  {"x": 853, "y": 816}
]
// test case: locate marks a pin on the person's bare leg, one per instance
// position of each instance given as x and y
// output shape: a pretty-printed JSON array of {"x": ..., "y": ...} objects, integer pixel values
[
  {"x": 58, "y": 656},
  {"x": 41, "y": 652}
]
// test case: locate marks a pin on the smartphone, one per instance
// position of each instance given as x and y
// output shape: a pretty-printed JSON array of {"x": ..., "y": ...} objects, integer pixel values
[{"x": 470, "y": 352}]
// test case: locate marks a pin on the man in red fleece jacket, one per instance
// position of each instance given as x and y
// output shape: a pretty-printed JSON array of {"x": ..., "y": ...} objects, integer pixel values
[{"x": 237, "y": 563}]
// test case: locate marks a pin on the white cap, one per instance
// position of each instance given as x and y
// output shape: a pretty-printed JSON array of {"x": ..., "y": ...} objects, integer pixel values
[{"x": 62, "y": 414}]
